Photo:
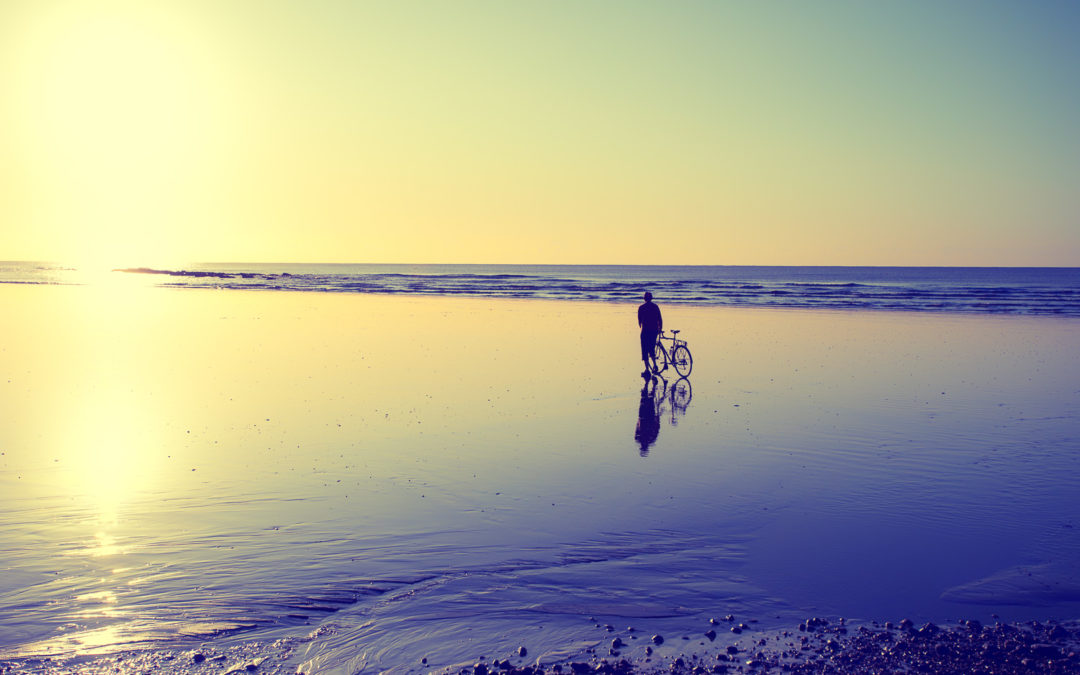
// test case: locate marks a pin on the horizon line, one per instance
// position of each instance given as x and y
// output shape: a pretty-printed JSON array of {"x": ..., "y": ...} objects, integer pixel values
[{"x": 529, "y": 264}]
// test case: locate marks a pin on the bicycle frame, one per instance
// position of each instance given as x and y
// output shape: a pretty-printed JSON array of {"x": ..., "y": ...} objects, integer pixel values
[
  {"x": 675, "y": 341},
  {"x": 683, "y": 363}
]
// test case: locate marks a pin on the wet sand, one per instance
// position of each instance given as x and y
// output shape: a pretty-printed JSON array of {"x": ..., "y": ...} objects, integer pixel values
[{"x": 351, "y": 483}]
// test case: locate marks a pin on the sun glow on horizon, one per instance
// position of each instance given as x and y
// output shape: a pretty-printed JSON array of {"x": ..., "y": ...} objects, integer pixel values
[{"x": 117, "y": 125}]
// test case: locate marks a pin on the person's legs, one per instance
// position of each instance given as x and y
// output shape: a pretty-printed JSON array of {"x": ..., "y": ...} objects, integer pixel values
[
  {"x": 648, "y": 344},
  {"x": 644, "y": 354}
]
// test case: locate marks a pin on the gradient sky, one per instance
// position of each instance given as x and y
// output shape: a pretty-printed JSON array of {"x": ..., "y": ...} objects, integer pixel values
[{"x": 863, "y": 133}]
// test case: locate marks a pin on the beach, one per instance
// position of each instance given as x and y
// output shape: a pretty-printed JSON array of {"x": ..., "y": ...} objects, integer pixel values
[{"x": 349, "y": 482}]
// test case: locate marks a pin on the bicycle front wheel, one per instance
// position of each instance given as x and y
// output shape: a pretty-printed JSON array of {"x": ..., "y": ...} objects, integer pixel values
[
  {"x": 661, "y": 358},
  {"x": 681, "y": 359}
]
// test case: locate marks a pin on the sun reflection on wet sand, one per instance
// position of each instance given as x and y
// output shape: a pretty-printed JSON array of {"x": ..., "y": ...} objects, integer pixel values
[
  {"x": 103, "y": 544},
  {"x": 109, "y": 639},
  {"x": 106, "y": 443},
  {"x": 107, "y": 597}
]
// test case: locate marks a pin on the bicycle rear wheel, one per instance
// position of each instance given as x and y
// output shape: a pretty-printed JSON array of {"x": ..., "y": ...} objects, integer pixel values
[
  {"x": 661, "y": 358},
  {"x": 682, "y": 360}
]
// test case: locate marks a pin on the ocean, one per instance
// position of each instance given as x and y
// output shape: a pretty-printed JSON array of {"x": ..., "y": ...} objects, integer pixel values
[{"x": 993, "y": 290}]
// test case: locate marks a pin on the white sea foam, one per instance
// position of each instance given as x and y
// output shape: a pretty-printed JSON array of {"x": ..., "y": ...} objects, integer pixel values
[{"x": 1036, "y": 291}]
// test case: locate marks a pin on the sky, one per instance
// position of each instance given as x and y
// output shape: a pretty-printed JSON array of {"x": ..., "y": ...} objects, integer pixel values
[{"x": 616, "y": 132}]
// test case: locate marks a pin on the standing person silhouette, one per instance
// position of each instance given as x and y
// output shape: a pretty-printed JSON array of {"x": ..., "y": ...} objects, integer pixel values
[{"x": 651, "y": 323}]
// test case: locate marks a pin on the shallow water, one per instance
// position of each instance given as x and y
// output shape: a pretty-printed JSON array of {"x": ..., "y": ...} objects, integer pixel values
[{"x": 383, "y": 479}]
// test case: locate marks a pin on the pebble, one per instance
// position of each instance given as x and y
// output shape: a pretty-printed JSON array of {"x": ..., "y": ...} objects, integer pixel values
[{"x": 968, "y": 647}]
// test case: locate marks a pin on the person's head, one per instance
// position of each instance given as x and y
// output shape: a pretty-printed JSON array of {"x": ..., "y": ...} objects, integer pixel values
[{"x": 648, "y": 296}]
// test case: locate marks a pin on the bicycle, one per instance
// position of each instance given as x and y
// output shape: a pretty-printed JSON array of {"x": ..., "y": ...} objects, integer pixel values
[{"x": 679, "y": 355}]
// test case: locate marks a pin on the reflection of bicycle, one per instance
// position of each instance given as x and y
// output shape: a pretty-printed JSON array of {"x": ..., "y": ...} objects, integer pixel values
[
  {"x": 677, "y": 354},
  {"x": 678, "y": 394}
]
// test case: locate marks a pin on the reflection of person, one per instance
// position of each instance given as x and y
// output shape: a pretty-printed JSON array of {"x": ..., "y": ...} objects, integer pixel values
[
  {"x": 651, "y": 323},
  {"x": 648, "y": 423}
]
